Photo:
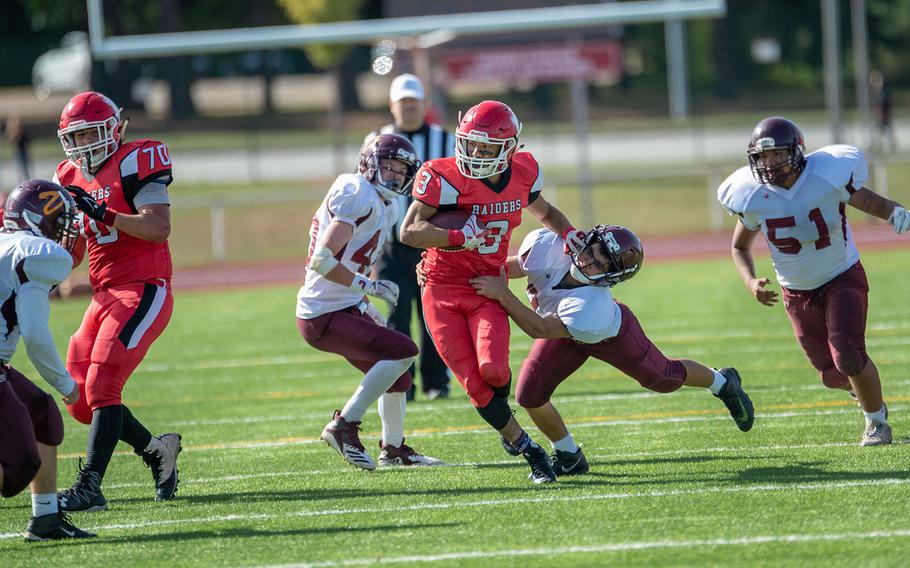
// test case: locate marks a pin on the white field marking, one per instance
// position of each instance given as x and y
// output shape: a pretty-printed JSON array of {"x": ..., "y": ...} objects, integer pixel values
[
  {"x": 606, "y": 547},
  {"x": 661, "y": 453},
  {"x": 280, "y": 443},
  {"x": 555, "y": 498}
]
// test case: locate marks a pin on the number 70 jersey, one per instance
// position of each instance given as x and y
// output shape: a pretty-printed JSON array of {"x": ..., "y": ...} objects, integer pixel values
[
  {"x": 135, "y": 175},
  {"x": 805, "y": 226}
]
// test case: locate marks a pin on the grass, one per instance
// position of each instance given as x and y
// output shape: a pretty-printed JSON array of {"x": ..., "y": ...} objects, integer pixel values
[{"x": 673, "y": 482}]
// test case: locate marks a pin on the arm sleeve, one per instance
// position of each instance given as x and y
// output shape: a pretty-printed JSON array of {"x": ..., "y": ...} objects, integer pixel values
[
  {"x": 153, "y": 192},
  {"x": 33, "y": 310}
]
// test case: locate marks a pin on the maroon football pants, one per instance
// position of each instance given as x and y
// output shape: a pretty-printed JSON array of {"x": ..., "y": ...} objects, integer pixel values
[
  {"x": 830, "y": 325},
  {"x": 551, "y": 361}
]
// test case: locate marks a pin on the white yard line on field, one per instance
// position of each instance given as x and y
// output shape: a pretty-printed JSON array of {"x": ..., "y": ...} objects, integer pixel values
[
  {"x": 485, "y": 503},
  {"x": 606, "y": 547}
]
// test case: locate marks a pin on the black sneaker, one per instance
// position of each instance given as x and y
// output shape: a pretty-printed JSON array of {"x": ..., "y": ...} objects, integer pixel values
[
  {"x": 541, "y": 469},
  {"x": 85, "y": 494},
  {"x": 55, "y": 526},
  {"x": 163, "y": 463},
  {"x": 569, "y": 463},
  {"x": 736, "y": 400}
]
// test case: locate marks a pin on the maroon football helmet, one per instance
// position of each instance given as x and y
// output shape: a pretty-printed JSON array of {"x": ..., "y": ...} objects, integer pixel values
[
  {"x": 44, "y": 209},
  {"x": 388, "y": 147},
  {"x": 619, "y": 246},
  {"x": 776, "y": 133}
]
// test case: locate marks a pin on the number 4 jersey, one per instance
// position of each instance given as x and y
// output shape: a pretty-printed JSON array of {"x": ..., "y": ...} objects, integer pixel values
[
  {"x": 439, "y": 184},
  {"x": 136, "y": 175},
  {"x": 354, "y": 201},
  {"x": 806, "y": 225}
]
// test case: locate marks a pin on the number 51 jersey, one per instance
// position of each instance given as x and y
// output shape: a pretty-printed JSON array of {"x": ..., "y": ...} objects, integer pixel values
[
  {"x": 137, "y": 174},
  {"x": 439, "y": 184},
  {"x": 806, "y": 225}
]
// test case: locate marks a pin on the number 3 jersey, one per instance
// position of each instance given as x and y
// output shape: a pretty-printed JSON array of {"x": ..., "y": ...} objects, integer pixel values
[
  {"x": 136, "y": 175},
  {"x": 352, "y": 200},
  {"x": 439, "y": 184},
  {"x": 806, "y": 225}
]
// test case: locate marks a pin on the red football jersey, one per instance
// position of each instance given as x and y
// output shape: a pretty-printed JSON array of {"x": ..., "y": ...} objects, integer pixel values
[
  {"x": 116, "y": 258},
  {"x": 439, "y": 184}
]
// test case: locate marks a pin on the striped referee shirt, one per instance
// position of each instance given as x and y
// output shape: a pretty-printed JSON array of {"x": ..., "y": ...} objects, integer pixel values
[{"x": 431, "y": 141}]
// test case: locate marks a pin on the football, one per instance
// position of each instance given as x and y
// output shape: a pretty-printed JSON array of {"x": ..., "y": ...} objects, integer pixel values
[{"x": 452, "y": 219}]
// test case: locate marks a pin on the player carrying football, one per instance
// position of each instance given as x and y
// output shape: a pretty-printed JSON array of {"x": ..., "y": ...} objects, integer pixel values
[
  {"x": 575, "y": 317},
  {"x": 333, "y": 310},
  {"x": 799, "y": 203},
  {"x": 122, "y": 190},
  {"x": 492, "y": 181}
]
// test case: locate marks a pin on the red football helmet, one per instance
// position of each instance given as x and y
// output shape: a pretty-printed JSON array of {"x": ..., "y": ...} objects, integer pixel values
[
  {"x": 388, "y": 147},
  {"x": 776, "y": 133},
  {"x": 616, "y": 253},
  {"x": 44, "y": 209},
  {"x": 90, "y": 111},
  {"x": 488, "y": 122}
]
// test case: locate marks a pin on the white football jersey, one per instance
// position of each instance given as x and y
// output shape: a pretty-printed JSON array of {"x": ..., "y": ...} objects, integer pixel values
[
  {"x": 805, "y": 226},
  {"x": 352, "y": 200},
  {"x": 39, "y": 264},
  {"x": 589, "y": 312}
]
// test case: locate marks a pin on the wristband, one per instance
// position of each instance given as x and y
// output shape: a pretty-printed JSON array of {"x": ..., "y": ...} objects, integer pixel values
[{"x": 456, "y": 238}]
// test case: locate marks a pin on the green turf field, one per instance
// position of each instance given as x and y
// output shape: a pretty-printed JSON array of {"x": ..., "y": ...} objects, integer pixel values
[{"x": 673, "y": 482}]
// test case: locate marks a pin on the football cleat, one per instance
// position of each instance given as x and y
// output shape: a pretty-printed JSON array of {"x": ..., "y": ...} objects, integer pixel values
[
  {"x": 877, "y": 433},
  {"x": 403, "y": 455},
  {"x": 508, "y": 447},
  {"x": 569, "y": 463},
  {"x": 163, "y": 462},
  {"x": 736, "y": 400},
  {"x": 342, "y": 436},
  {"x": 85, "y": 494},
  {"x": 541, "y": 469},
  {"x": 55, "y": 526},
  {"x": 433, "y": 394}
]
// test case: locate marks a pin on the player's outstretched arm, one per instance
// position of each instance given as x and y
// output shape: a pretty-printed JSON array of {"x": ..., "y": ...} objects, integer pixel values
[
  {"x": 876, "y": 205},
  {"x": 152, "y": 223},
  {"x": 745, "y": 265},
  {"x": 497, "y": 288},
  {"x": 33, "y": 311},
  {"x": 550, "y": 217}
]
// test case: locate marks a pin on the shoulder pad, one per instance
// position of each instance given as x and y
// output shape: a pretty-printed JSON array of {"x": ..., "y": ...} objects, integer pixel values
[
  {"x": 735, "y": 191},
  {"x": 839, "y": 164},
  {"x": 347, "y": 199},
  {"x": 46, "y": 262},
  {"x": 146, "y": 159}
]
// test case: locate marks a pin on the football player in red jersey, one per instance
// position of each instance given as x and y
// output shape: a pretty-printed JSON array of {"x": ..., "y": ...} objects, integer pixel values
[
  {"x": 492, "y": 181},
  {"x": 121, "y": 189}
]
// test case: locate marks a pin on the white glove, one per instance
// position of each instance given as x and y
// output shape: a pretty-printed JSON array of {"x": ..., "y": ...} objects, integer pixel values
[
  {"x": 473, "y": 235},
  {"x": 575, "y": 241},
  {"x": 372, "y": 312},
  {"x": 900, "y": 220},
  {"x": 384, "y": 289}
]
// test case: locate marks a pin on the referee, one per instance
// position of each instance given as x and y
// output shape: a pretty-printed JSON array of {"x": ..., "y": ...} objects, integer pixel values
[{"x": 398, "y": 262}]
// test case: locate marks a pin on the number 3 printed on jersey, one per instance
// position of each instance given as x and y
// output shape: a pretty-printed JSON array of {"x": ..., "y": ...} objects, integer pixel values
[{"x": 103, "y": 234}]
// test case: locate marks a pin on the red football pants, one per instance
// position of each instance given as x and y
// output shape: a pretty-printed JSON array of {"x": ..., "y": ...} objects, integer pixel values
[
  {"x": 119, "y": 326},
  {"x": 471, "y": 333}
]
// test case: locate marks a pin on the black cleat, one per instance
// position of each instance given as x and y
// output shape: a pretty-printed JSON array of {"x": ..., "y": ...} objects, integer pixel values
[
  {"x": 55, "y": 526},
  {"x": 163, "y": 463},
  {"x": 85, "y": 494},
  {"x": 541, "y": 469},
  {"x": 569, "y": 463},
  {"x": 736, "y": 400}
]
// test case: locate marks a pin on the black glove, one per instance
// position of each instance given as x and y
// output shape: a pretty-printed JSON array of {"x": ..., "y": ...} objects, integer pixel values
[{"x": 87, "y": 204}]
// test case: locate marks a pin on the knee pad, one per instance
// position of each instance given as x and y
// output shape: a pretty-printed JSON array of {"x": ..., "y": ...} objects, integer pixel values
[
  {"x": 850, "y": 362},
  {"x": 403, "y": 384},
  {"x": 80, "y": 411},
  {"x": 834, "y": 379},
  {"x": 497, "y": 413},
  {"x": 16, "y": 477},
  {"x": 496, "y": 375},
  {"x": 48, "y": 422}
]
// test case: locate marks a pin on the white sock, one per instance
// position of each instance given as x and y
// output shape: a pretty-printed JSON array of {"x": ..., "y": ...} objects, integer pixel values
[
  {"x": 391, "y": 409},
  {"x": 878, "y": 417},
  {"x": 567, "y": 444},
  {"x": 374, "y": 383},
  {"x": 44, "y": 504},
  {"x": 719, "y": 382}
]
